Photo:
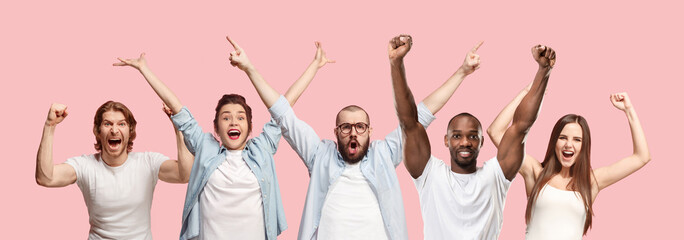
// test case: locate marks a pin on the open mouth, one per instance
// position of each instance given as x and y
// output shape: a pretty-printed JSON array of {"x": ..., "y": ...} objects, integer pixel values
[
  {"x": 234, "y": 134},
  {"x": 114, "y": 143},
  {"x": 568, "y": 154},
  {"x": 353, "y": 147}
]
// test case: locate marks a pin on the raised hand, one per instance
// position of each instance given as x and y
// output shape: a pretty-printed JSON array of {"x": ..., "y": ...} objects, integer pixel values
[
  {"x": 136, "y": 63},
  {"x": 621, "y": 101},
  {"x": 399, "y": 46},
  {"x": 544, "y": 55},
  {"x": 57, "y": 114},
  {"x": 238, "y": 57},
  {"x": 320, "y": 57},
  {"x": 472, "y": 60}
]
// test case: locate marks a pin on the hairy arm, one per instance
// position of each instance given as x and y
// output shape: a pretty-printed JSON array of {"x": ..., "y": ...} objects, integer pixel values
[
  {"x": 511, "y": 149},
  {"x": 615, "y": 172},
  {"x": 49, "y": 174}
]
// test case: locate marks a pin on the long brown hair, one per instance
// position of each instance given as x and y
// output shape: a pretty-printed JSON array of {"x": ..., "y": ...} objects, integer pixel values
[{"x": 580, "y": 172}]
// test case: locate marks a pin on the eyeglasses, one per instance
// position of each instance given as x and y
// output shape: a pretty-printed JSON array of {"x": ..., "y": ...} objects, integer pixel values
[{"x": 346, "y": 128}]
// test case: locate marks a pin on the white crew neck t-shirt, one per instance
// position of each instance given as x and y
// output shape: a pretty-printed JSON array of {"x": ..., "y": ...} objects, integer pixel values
[
  {"x": 351, "y": 210},
  {"x": 119, "y": 199},
  {"x": 230, "y": 204},
  {"x": 462, "y": 206}
]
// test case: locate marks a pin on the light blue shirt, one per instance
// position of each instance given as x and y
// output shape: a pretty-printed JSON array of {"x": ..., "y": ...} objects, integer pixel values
[
  {"x": 210, "y": 153},
  {"x": 325, "y": 165}
]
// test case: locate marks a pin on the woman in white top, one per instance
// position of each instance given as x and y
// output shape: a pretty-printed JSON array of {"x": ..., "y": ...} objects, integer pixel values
[{"x": 561, "y": 189}]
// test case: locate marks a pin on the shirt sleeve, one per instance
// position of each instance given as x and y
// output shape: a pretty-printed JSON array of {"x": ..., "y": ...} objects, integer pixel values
[
  {"x": 301, "y": 137},
  {"x": 192, "y": 132},
  {"x": 394, "y": 140},
  {"x": 493, "y": 168},
  {"x": 270, "y": 135},
  {"x": 155, "y": 160},
  {"x": 420, "y": 182},
  {"x": 425, "y": 117},
  {"x": 80, "y": 163}
]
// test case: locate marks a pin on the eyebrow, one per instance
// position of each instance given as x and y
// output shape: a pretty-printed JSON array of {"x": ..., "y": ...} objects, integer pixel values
[
  {"x": 471, "y": 131},
  {"x": 230, "y": 112}
]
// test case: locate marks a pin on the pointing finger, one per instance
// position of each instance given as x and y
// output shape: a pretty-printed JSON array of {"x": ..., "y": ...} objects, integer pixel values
[
  {"x": 235, "y": 46},
  {"x": 476, "y": 47}
]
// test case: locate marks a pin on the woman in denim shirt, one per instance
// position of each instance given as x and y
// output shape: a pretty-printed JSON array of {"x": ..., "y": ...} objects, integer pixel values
[{"x": 229, "y": 178}]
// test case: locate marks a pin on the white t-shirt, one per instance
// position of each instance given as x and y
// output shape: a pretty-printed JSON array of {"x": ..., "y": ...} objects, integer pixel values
[
  {"x": 119, "y": 198},
  {"x": 462, "y": 206},
  {"x": 351, "y": 210},
  {"x": 557, "y": 214},
  {"x": 230, "y": 204}
]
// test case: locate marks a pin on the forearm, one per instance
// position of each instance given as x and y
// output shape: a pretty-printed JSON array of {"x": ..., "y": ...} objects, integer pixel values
[
  {"x": 407, "y": 111},
  {"x": 267, "y": 94},
  {"x": 528, "y": 109},
  {"x": 162, "y": 90},
  {"x": 298, "y": 87},
  {"x": 185, "y": 158},
  {"x": 44, "y": 163},
  {"x": 639, "y": 144},
  {"x": 437, "y": 99},
  {"x": 498, "y": 127}
]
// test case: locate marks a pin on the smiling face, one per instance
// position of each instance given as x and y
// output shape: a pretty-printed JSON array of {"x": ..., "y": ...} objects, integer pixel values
[
  {"x": 569, "y": 144},
  {"x": 464, "y": 139},
  {"x": 113, "y": 134},
  {"x": 353, "y": 145},
  {"x": 232, "y": 126}
]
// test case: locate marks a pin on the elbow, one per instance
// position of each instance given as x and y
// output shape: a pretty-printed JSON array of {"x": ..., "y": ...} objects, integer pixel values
[
  {"x": 184, "y": 179},
  {"x": 646, "y": 158},
  {"x": 43, "y": 181}
]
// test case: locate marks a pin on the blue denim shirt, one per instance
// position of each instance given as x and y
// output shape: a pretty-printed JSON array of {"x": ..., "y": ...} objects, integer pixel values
[
  {"x": 210, "y": 153},
  {"x": 325, "y": 165}
]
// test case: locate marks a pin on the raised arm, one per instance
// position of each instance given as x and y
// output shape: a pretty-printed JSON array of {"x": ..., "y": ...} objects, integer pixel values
[
  {"x": 498, "y": 127},
  {"x": 302, "y": 83},
  {"x": 511, "y": 149},
  {"x": 496, "y": 130},
  {"x": 606, "y": 176},
  {"x": 268, "y": 94},
  {"x": 416, "y": 156},
  {"x": 157, "y": 85},
  {"x": 436, "y": 100},
  {"x": 177, "y": 171},
  {"x": 47, "y": 173}
]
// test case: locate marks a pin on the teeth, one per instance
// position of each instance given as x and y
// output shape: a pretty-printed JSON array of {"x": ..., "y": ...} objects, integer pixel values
[{"x": 568, "y": 152}]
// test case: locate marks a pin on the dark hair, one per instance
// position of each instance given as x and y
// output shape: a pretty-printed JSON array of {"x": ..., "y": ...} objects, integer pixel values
[
  {"x": 467, "y": 115},
  {"x": 234, "y": 99},
  {"x": 119, "y": 107},
  {"x": 351, "y": 108},
  {"x": 580, "y": 172}
]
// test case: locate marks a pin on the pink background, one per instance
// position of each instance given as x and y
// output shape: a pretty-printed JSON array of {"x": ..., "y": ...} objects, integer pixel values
[{"x": 61, "y": 51}]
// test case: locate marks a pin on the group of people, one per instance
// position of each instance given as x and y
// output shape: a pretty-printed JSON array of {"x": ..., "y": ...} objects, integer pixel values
[{"x": 353, "y": 192}]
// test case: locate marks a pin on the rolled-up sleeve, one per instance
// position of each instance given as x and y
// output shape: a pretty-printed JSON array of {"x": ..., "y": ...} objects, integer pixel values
[{"x": 192, "y": 132}]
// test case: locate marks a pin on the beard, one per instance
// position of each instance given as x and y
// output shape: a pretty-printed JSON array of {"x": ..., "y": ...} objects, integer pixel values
[
  {"x": 461, "y": 162},
  {"x": 346, "y": 156}
]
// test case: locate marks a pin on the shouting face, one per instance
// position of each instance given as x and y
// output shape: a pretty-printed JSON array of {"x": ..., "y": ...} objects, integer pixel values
[{"x": 353, "y": 134}]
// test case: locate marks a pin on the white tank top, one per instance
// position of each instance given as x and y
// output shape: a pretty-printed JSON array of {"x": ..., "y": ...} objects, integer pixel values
[{"x": 557, "y": 214}]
